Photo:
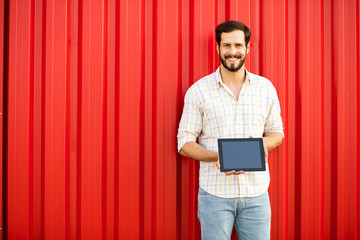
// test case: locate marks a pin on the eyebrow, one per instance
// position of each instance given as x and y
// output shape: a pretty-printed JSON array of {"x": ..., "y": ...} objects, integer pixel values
[{"x": 234, "y": 43}]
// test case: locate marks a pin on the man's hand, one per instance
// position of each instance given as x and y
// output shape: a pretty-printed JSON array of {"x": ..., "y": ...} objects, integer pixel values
[
  {"x": 266, "y": 152},
  {"x": 231, "y": 172}
]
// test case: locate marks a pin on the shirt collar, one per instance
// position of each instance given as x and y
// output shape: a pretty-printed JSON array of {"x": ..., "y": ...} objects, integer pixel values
[{"x": 249, "y": 78}]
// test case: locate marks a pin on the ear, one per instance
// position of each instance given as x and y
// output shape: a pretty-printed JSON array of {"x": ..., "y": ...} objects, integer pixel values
[
  {"x": 248, "y": 48},
  {"x": 217, "y": 48}
]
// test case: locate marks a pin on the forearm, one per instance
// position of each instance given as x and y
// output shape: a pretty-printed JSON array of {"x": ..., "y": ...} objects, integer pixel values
[
  {"x": 195, "y": 151},
  {"x": 273, "y": 140}
]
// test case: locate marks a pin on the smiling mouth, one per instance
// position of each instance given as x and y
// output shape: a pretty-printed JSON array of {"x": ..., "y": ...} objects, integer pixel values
[{"x": 232, "y": 59}]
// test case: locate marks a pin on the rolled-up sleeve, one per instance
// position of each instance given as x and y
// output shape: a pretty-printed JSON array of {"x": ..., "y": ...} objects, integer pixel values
[
  {"x": 273, "y": 121},
  {"x": 191, "y": 120}
]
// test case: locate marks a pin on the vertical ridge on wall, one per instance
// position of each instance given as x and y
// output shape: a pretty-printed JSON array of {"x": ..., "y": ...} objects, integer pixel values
[
  {"x": 17, "y": 168},
  {"x": 104, "y": 58},
  {"x": 75, "y": 118},
  {"x": 56, "y": 170},
  {"x": 339, "y": 74},
  {"x": 161, "y": 45},
  {"x": 334, "y": 124},
  {"x": 31, "y": 118},
  {"x": 167, "y": 63},
  {"x": 329, "y": 136},
  {"x": 38, "y": 118},
  {"x": 154, "y": 134},
  {"x": 357, "y": 106},
  {"x": 67, "y": 121},
  {"x": 148, "y": 138},
  {"x": 142, "y": 124},
  {"x": 4, "y": 15},
  {"x": 116, "y": 127},
  {"x": 92, "y": 165},
  {"x": 322, "y": 110},
  {"x": 289, "y": 123},
  {"x": 110, "y": 34},
  {"x": 280, "y": 183},
  {"x": 2, "y": 96},
  {"x": 298, "y": 130},
  {"x": 129, "y": 110},
  {"x": 79, "y": 139},
  {"x": 94, "y": 93},
  {"x": 42, "y": 132}
]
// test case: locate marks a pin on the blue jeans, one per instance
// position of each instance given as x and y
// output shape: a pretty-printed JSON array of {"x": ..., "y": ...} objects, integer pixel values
[{"x": 251, "y": 216}]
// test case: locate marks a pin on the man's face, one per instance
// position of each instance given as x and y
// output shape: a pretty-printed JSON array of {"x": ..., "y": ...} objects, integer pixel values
[{"x": 232, "y": 50}]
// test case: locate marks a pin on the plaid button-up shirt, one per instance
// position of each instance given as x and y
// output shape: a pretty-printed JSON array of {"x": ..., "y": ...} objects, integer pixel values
[{"x": 211, "y": 111}]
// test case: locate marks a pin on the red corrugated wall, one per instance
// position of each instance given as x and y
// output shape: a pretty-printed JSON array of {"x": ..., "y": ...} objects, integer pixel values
[{"x": 93, "y": 94}]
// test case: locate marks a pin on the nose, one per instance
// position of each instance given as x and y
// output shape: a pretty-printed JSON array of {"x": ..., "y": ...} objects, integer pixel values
[{"x": 233, "y": 50}]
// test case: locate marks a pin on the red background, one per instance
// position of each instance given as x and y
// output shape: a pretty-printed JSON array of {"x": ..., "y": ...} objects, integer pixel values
[{"x": 93, "y": 94}]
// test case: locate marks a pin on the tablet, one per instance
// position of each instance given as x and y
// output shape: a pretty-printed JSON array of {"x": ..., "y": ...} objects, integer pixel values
[{"x": 245, "y": 154}]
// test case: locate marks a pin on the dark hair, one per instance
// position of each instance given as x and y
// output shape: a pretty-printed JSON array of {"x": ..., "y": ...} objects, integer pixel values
[{"x": 230, "y": 26}]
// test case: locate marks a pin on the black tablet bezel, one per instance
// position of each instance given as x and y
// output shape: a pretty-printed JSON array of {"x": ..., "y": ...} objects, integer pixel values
[{"x": 262, "y": 155}]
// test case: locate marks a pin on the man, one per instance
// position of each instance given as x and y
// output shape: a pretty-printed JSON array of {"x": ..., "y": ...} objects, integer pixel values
[{"x": 231, "y": 103}]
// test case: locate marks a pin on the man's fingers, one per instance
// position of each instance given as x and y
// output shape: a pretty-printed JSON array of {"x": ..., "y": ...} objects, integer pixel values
[
  {"x": 230, "y": 173},
  {"x": 218, "y": 163},
  {"x": 266, "y": 152},
  {"x": 234, "y": 173}
]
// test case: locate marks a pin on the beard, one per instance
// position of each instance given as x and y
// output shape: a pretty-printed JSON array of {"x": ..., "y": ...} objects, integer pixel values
[{"x": 233, "y": 67}]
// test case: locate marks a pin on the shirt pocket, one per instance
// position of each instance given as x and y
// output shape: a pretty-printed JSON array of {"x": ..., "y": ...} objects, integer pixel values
[
  {"x": 217, "y": 117},
  {"x": 255, "y": 112}
]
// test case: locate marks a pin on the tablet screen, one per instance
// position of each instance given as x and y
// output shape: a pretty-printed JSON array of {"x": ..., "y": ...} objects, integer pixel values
[{"x": 246, "y": 154}]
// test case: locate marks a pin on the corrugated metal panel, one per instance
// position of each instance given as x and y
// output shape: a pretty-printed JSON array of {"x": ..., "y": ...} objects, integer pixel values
[{"x": 94, "y": 96}]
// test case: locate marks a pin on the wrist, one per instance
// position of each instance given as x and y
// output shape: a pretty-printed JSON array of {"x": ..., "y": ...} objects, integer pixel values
[
  {"x": 212, "y": 156},
  {"x": 266, "y": 142}
]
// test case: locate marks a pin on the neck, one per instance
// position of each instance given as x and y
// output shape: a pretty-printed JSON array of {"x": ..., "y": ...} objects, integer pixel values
[{"x": 229, "y": 77}]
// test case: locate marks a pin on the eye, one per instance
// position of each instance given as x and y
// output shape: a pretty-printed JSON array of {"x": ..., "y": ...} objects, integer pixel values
[{"x": 226, "y": 45}]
